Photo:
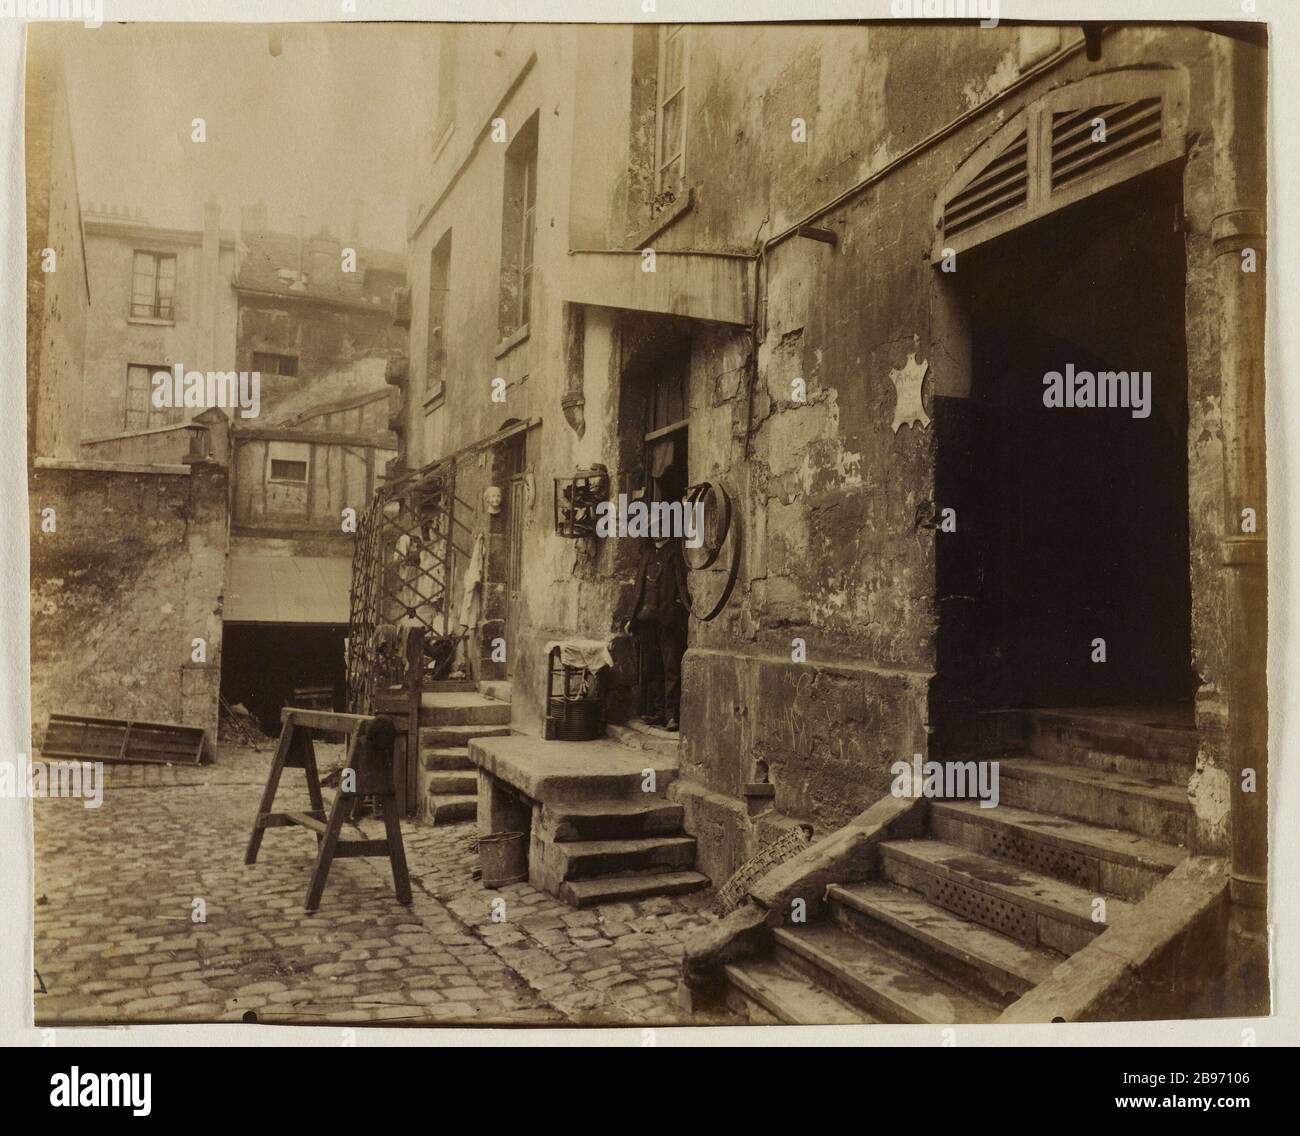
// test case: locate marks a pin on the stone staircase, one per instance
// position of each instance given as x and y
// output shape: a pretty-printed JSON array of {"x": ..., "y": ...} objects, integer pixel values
[
  {"x": 447, "y": 783},
  {"x": 616, "y": 850},
  {"x": 627, "y": 844},
  {"x": 966, "y": 919}
]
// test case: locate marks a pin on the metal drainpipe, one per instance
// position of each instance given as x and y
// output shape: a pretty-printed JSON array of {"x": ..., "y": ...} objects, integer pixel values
[{"x": 1240, "y": 168}]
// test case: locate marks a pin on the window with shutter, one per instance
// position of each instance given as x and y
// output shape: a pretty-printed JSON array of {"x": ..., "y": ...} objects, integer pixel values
[{"x": 1069, "y": 144}]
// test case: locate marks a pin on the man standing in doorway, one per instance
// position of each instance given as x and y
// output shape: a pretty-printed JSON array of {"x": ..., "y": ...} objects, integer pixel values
[{"x": 660, "y": 612}]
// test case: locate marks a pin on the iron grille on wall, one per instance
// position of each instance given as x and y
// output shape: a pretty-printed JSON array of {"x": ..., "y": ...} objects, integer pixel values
[{"x": 402, "y": 569}]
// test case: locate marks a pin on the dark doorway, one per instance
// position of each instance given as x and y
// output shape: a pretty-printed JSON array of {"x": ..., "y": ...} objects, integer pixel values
[
  {"x": 653, "y": 466},
  {"x": 263, "y": 663},
  {"x": 1071, "y": 521}
]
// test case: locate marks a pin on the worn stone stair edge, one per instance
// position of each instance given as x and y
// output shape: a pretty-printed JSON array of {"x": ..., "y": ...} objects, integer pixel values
[
  {"x": 790, "y": 999},
  {"x": 1085, "y": 837},
  {"x": 1032, "y": 891},
  {"x": 1006, "y": 964},
  {"x": 884, "y": 982}
]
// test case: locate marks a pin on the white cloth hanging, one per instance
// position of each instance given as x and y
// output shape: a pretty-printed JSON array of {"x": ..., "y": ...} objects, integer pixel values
[{"x": 471, "y": 583}]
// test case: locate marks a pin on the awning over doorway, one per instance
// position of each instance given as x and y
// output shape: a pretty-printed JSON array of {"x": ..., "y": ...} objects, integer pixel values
[
  {"x": 695, "y": 285},
  {"x": 283, "y": 589}
]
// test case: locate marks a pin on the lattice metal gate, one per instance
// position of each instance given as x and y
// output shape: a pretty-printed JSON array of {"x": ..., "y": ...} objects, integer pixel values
[{"x": 401, "y": 581}]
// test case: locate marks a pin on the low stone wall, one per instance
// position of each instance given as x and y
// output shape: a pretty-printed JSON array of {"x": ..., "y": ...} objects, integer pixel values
[
  {"x": 1166, "y": 959},
  {"x": 130, "y": 576},
  {"x": 823, "y": 735}
]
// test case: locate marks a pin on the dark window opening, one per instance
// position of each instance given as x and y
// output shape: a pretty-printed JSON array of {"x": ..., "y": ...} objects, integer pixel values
[
  {"x": 435, "y": 373},
  {"x": 282, "y": 470},
  {"x": 269, "y": 363}
]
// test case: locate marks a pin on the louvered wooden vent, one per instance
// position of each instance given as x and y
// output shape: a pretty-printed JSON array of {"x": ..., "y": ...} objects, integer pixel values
[
  {"x": 1077, "y": 148},
  {"x": 999, "y": 189},
  {"x": 1054, "y": 152}
]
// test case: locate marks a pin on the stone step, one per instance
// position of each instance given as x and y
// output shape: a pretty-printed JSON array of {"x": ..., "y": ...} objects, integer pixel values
[
  {"x": 1015, "y": 901},
  {"x": 1152, "y": 742},
  {"x": 437, "y": 736},
  {"x": 790, "y": 998},
  {"x": 453, "y": 784},
  {"x": 466, "y": 709},
  {"x": 1105, "y": 860},
  {"x": 609, "y": 820},
  {"x": 647, "y": 739},
  {"x": 886, "y": 984},
  {"x": 583, "y": 859},
  {"x": 395, "y": 700},
  {"x": 442, "y": 808},
  {"x": 1112, "y": 800},
  {"x": 497, "y": 689},
  {"x": 445, "y": 758},
  {"x": 966, "y": 952},
  {"x": 617, "y": 889}
]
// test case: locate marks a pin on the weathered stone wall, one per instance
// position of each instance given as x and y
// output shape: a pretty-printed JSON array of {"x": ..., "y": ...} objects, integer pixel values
[
  {"x": 835, "y": 497},
  {"x": 57, "y": 300},
  {"x": 132, "y": 574}
]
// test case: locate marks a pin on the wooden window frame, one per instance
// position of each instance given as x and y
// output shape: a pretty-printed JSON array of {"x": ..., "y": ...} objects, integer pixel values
[
  {"x": 518, "y": 233},
  {"x": 435, "y": 338},
  {"x": 155, "y": 304},
  {"x": 527, "y": 240},
  {"x": 662, "y": 98},
  {"x": 297, "y": 452},
  {"x": 154, "y": 419}
]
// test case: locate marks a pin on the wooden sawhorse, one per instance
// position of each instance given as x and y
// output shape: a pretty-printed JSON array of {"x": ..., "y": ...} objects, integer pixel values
[{"x": 368, "y": 772}]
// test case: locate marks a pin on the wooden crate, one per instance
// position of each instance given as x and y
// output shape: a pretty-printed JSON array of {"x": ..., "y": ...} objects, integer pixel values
[{"x": 80, "y": 738}]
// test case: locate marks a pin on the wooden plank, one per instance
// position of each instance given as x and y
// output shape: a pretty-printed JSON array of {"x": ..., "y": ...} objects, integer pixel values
[
  {"x": 325, "y": 852},
  {"x": 396, "y": 850},
  {"x": 122, "y": 740},
  {"x": 288, "y": 820},
  {"x": 317, "y": 437},
  {"x": 345, "y": 848},
  {"x": 307, "y": 821},
  {"x": 322, "y": 719},
  {"x": 268, "y": 793}
]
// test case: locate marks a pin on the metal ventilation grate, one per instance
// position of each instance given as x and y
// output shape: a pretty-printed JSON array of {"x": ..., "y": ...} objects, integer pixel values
[
  {"x": 1129, "y": 127},
  {"x": 1000, "y": 187},
  {"x": 1063, "y": 863},
  {"x": 978, "y": 907}
]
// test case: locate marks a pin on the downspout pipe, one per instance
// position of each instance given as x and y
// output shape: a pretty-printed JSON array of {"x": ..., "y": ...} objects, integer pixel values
[{"x": 1239, "y": 227}]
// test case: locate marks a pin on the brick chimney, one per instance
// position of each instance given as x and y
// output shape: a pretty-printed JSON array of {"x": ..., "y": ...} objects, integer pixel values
[
  {"x": 206, "y": 301},
  {"x": 324, "y": 261},
  {"x": 354, "y": 229},
  {"x": 252, "y": 219}
]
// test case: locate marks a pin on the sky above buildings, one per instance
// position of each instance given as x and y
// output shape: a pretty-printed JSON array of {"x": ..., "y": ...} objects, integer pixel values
[{"x": 336, "y": 115}]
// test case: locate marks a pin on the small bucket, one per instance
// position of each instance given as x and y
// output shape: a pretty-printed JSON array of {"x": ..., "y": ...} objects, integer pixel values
[{"x": 503, "y": 858}]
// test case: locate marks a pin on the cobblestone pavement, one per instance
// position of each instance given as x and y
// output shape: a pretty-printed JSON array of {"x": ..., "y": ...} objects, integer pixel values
[{"x": 117, "y": 887}]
